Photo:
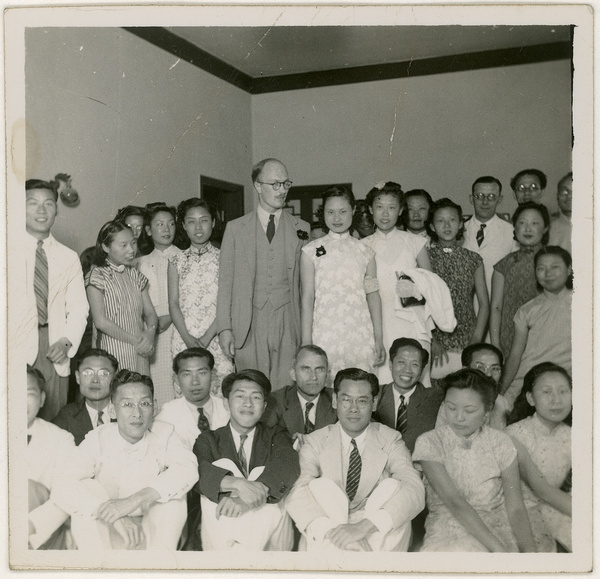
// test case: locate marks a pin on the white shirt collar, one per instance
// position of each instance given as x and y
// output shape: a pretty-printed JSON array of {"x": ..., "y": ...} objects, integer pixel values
[
  {"x": 263, "y": 216},
  {"x": 304, "y": 401},
  {"x": 406, "y": 396},
  {"x": 207, "y": 407},
  {"x": 33, "y": 241},
  {"x": 347, "y": 440},
  {"x": 94, "y": 415}
]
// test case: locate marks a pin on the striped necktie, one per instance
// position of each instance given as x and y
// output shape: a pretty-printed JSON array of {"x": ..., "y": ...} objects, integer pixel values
[
  {"x": 242, "y": 455},
  {"x": 354, "y": 468},
  {"x": 40, "y": 283},
  {"x": 479, "y": 236},
  {"x": 271, "y": 228},
  {"x": 402, "y": 416},
  {"x": 308, "y": 425}
]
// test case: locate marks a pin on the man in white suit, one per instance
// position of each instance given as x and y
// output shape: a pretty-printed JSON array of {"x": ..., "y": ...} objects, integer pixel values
[
  {"x": 55, "y": 307},
  {"x": 258, "y": 304},
  {"x": 357, "y": 490},
  {"x": 197, "y": 410}
]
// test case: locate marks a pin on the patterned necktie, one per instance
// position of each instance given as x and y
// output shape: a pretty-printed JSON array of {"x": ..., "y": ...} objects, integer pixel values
[
  {"x": 271, "y": 228},
  {"x": 242, "y": 455},
  {"x": 402, "y": 416},
  {"x": 354, "y": 468},
  {"x": 308, "y": 425},
  {"x": 203, "y": 424},
  {"x": 479, "y": 236},
  {"x": 40, "y": 283},
  {"x": 100, "y": 421}
]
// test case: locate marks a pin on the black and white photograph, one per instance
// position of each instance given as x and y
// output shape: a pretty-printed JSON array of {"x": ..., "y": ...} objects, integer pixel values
[{"x": 300, "y": 288}]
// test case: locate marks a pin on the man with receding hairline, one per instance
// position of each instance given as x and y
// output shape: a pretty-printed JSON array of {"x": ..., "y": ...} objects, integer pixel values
[{"x": 258, "y": 304}]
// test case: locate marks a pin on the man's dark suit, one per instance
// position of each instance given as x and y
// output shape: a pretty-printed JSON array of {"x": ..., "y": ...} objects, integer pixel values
[
  {"x": 272, "y": 448},
  {"x": 423, "y": 407},
  {"x": 75, "y": 418},
  {"x": 284, "y": 409}
]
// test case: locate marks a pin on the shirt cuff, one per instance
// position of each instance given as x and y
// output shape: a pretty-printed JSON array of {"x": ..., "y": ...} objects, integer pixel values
[
  {"x": 319, "y": 528},
  {"x": 382, "y": 520}
]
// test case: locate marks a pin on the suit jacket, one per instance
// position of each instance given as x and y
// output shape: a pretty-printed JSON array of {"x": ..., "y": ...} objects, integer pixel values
[
  {"x": 384, "y": 456},
  {"x": 272, "y": 448},
  {"x": 75, "y": 418},
  {"x": 177, "y": 413},
  {"x": 423, "y": 407},
  {"x": 237, "y": 269},
  {"x": 284, "y": 409},
  {"x": 67, "y": 302}
]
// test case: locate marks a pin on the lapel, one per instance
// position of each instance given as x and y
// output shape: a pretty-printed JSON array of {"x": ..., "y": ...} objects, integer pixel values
[
  {"x": 331, "y": 456},
  {"x": 227, "y": 447},
  {"x": 288, "y": 225},
  {"x": 248, "y": 238},
  {"x": 260, "y": 448},
  {"x": 385, "y": 406},
  {"x": 416, "y": 399},
  {"x": 325, "y": 413},
  {"x": 82, "y": 416},
  {"x": 373, "y": 463},
  {"x": 292, "y": 413}
]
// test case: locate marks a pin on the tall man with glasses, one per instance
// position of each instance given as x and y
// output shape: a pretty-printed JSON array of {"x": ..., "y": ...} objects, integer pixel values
[
  {"x": 258, "y": 304},
  {"x": 561, "y": 228},
  {"x": 485, "y": 232}
]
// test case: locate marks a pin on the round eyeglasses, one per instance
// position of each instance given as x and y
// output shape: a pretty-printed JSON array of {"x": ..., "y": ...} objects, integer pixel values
[
  {"x": 491, "y": 197},
  {"x": 531, "y": 187},
  {"x": 277, "y": 184}
]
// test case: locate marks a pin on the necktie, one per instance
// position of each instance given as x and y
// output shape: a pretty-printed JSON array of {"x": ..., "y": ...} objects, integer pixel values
[
  {"x": 40, "y": 283},
  {"x": 100, "y": 421},
  {"x": 271, "y": 228},
  {"x": 203, "y": 424},
  {"x": 354, "y": 468},
  {"x": 479, "y": 236},
  {"x": 28, "y": 438},
  {"x": 242, "y": 455},
  {"x": 402, "y": 416},
  {"x": 308, "y": 425}
]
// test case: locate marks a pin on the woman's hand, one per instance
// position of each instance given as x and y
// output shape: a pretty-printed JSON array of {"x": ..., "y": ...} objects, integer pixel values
[
  {"x": 163, "y": 323},
  {"x": 439, "y": 355},
  {"x": 379, "y": 353},
  {"x": 144, "y": 345}
]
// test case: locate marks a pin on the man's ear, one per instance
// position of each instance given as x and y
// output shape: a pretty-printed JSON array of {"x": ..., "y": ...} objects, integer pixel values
[
  {"x": 42, "y": 398},
  {"x": 111, "y": 410},
  {"x": 334, "y": 401},
  {"x": 176, "y": 384},
  {"x": 78, "y": 377},
  {"x": 148, "y": 230},
  {"x": 226, "y": 404},
  {"x": 293, "y": 375},
  {"x": 375, "y": 401}
]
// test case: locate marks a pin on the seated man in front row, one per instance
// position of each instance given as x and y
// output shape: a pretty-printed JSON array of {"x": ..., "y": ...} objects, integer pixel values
[
  {"x": 405, "y": 404},
  {"x": 306, "y": 405},
  {"x": 357, "y": 490},
  {"x": 48, "y": 449},
  {"x": 246, "y": 469},
  {"x": 125, "y": 484}
]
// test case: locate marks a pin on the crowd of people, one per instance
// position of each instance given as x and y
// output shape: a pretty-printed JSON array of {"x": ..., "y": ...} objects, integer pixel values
[{"x": 392, "y": 377}]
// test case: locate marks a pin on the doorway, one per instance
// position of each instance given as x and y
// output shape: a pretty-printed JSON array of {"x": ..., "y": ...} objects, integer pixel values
[{"x": 228, "y": 200}]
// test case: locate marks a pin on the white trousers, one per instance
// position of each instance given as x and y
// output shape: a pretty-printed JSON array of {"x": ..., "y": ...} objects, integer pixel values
[
  {"x": 162, "y": 524},
  {"x": 333, "y": 500},
  {"x": 266, "y": 528}
]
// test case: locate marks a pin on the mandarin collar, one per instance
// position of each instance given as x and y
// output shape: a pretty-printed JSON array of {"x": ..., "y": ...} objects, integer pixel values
[
  {"x": 114, "y": 266},
  {"x": 334, "y": 235}
]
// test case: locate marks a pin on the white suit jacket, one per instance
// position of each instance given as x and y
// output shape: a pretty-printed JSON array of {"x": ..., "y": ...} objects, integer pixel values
[
  {"x": 384, "y": 456},
  {"x": 46, "y": 456},
  {"x": 67, "y": 301},
  {"x": 185, "y": 420}
]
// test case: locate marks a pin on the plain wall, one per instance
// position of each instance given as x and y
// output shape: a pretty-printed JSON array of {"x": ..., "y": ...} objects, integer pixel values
[
  {"x": 437, "y": 132},
  {"x": 159, "y": 124}
]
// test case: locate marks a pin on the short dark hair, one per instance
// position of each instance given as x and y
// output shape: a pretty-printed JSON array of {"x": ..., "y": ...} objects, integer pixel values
[
  {"x": 389, "y": 188},
  {"x": 488, "y": 180},
  {"x": 356, "y": 375},
  {"x": 409, "y": 342},
  {"x": 257, "y": 169},
  {"x": 562, "y": 253},
  {"x": 444, "y": 203},
  {"x": 467, "y": 354},
  {"x": 569, "y": 175},
  {"x": 98, "y": 353},
  {"x": 471, "y": 379},
  {"x": 38, "y": 377},
  {"x": 541, "y": 209},
  {"x": 255, "y": 376},
  {"x": 125, "y": 376},
  {"x": 193, "y": 353},
  {"x": 52, "y": 186},
  {"x": 128, "y": 211},
  {"x": 404, "y": 218},
  {"x": 145, "y": 241},
  {"x": 313, "y": 349},
  {"x": 339, "y": 191},
  {"x": 181, "y": 237},
  {"x": 539, "y": 174}
]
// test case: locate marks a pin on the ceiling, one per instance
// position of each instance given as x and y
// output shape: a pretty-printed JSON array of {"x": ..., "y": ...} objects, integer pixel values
[{"x": 274, "y": 51}]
